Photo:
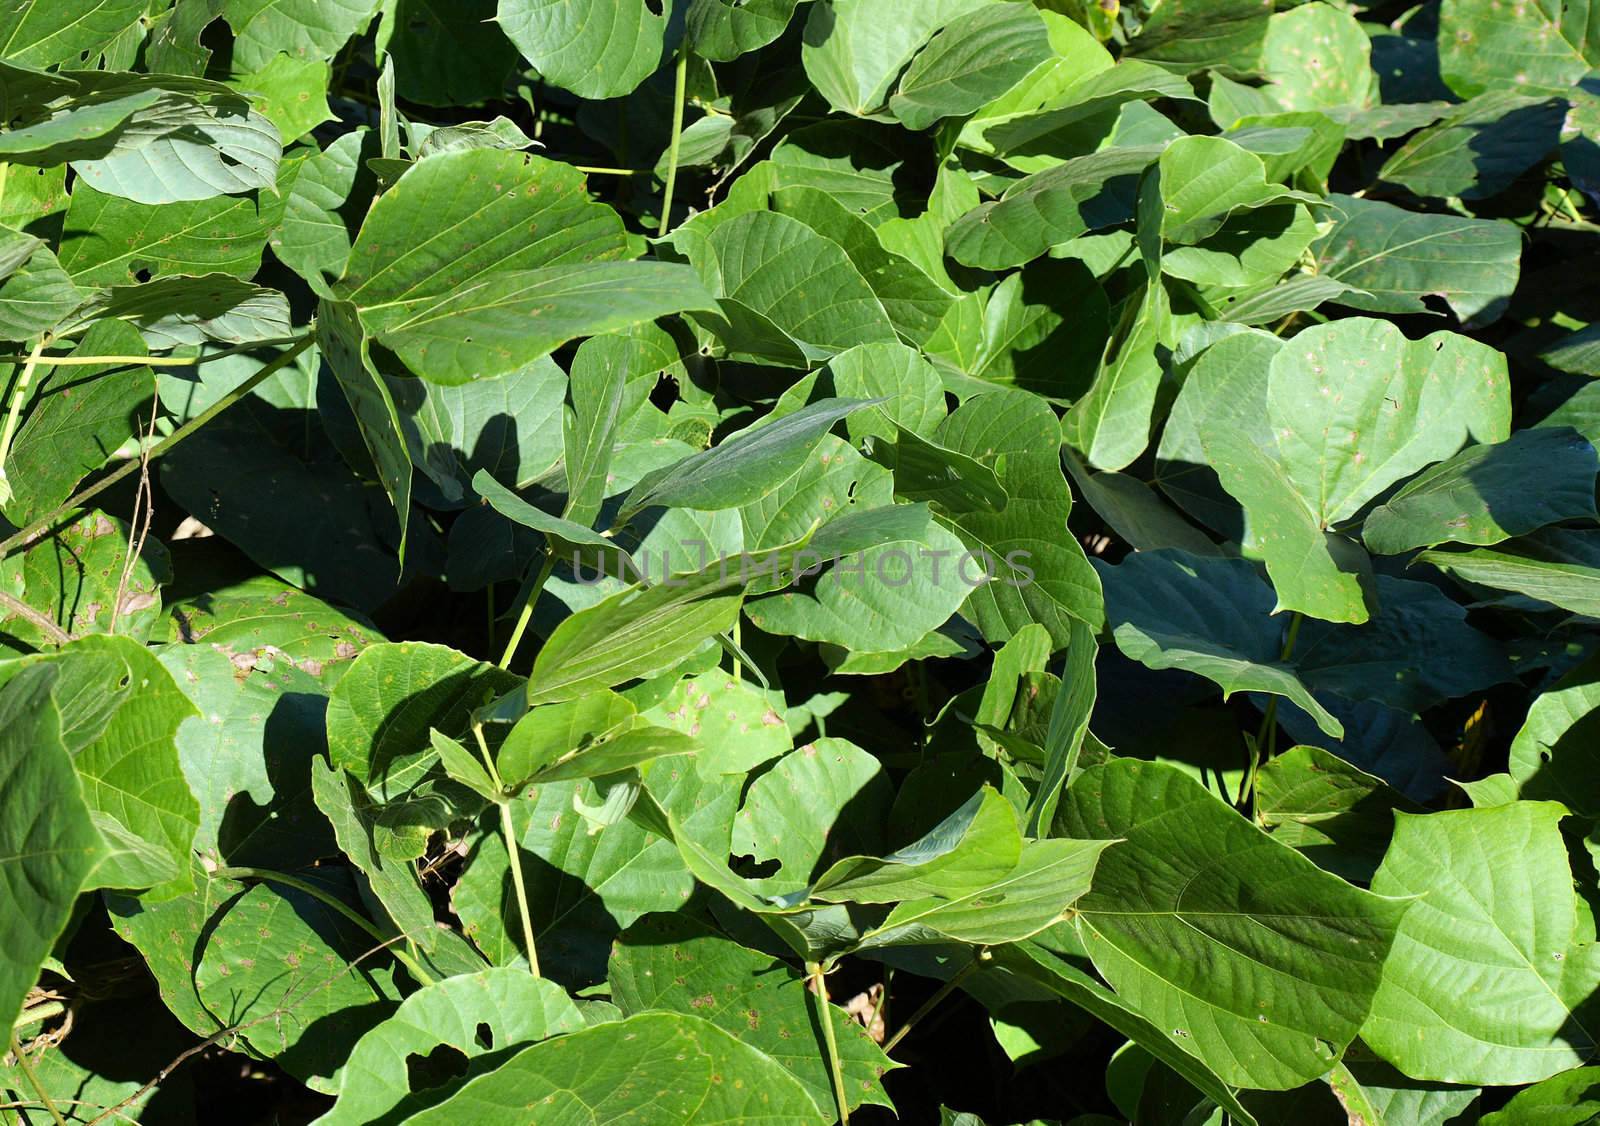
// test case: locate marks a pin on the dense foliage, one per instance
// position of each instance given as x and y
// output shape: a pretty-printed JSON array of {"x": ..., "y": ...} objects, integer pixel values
[{"x": 714, "y": 561}]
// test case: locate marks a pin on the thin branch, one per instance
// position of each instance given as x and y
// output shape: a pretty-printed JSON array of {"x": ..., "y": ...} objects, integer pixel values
[
  {"x": 830, "y": 1041},
  {"x": 939, "y": 995},
  {"x": 677, "y": 133},
  {"x": 39, "y": 622},
  {"x": 33, "y": 1079}
]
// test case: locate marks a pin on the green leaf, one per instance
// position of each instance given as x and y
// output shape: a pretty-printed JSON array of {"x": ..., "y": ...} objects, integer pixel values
[
  {"x": 1545, "y": 49},
  {"x": 314, "y": 239},
  {"x": 1480, "y": 148},
  {"x": 1208, "y": 616},
  {"x": 516, "y": 1009},
  {"x": 594, "y": 48},
  {"x": 286, "y": 965},
  {"x": 1040, "y": 572},
  {"x": 1482, "y": 494},
  {"x": 1335, "y": 813},
  {"x": 381, "y": 711},
  {"x": 190, "y": 152},
  {"x": 666, "y": 962},
  {"x": 1406, "y": 404},
  {"x": 44, "y": 35},
  {"x": 446, "y": 55},
  {"x": 1317, "y": 56},
  {"x": 1558, "y": 566},
  {"x": 1552, "y": 754},
  {"x": 973, "y": 59},
  {"x": 1050, "y": 207},
  {"x": 1397, "y": 257},
  {"x": 722, "y": 30},
  {"x": 1568, "y": 1099},
  {"x": 733, "y": 722},
  {"x": 48, "y": 844},
  {"x": 926, "y": 471},
  {"x": 301, "y": 29},
  {"x": 654, "y": 1066},
  {"x": 1490, "y": 963},
  {"x": 1110, "y": 425},
  {"x": 446, "y": 274},
  {"x": 854, "y": 49},
  {"x": 290, "y": 93},
  {"x": 38, "y": 297},
  {"x": 744, "y": 468},
  {"x": 1264, "y": 965},
  {"x": 78, "y": 417},
  {"x": 1190, "y": 35}
]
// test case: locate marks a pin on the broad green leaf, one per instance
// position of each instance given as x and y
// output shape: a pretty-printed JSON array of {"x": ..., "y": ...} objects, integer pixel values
[
  {"x": 383, "y": 707},
  {"x": 594, "y": 48},
  {"x": 549, "y": 731},
  {"x": 973, "y": 59},
  {"x": 1050, "y": 207},
  {"x": 347, "y": 351},
  {"x": 301, "y": 29},
  {"x": 515, "y": 1009},
  {"x": 663, "y": 1067},
  {"x": 445, "y": 272},
  {"x": 573, "y": 541},
  {"x": 78, "y": 417},
  {"x": 38, "y": 297},
  {"x": 1316, "y": 56},
  {"x": 189, "y": 152},
  {"x": 1264, "y": 965},
  {"x": 907, "y": 384},
  {"x": 1557, "y": 566},
  {"x": 42, "y": 35},
  {"x": 111, "y": 241},
  {"x": 1069, "y": 727},
  {"x": 1038, "y": 967},
  {"x": 290, "y": 93},
  {"x": 1040, "y": 573},
  {"x": 1552, "y": 754},
  {"x": 744, "y": 468},
  {"x": 1110, "y": 425},
  {"x": 1335, "y": 813},
  {"x": 1407, "y": 403},
  {"x": 924, "y": 471},
  {"x": 1544, "y": 47},
  {"x": 1081, "y": 115},
  {"x": 854, "y": 49},
  {"x": 75, "y": 578},
  {"x": 1204, "y": 180},
  {"x": 172, "y": 311},
  {"x": 794, "y": 813},
  {"x": 601, "y": 371},
  {"x": 314, "y": 237},
  {"x": 285, "y": 965},
  {"x": 48, "y": 844},
  {"x": 669, "y": 963},
  {"x": 732, "y": 720},
  {"x": 722, "y": 30},
  {"x": 1491, "y": 964},
  {"x": 1190, "y": 35},
  {"x": 1482, "y": 495},
  {"x": 976, "y": 846},
  {"x": 1576, "y": 353},
  {"x": 1480, "y": 148},
  {"x": 1208, "y": 616},
  {"x": 1567, "y": 1099},
  {"x": 1397, "y": 257}
]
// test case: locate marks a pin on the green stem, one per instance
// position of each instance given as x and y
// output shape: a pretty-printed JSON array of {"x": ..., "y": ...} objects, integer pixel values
[
  {"x": 328, "y": 899},
  {"x": 597, "y": 170},
  {"x": 513, "y": 853},
  {"x": 829, "y": 1040},
  {"x": 132, "y": 465},
  {"x": 1267, "y": 736},
  {"x": 33, "y": 1079},
  {"x": 672, "y": 147},
  {"x": 931, "y": 1003},
  {"x": 526, "y": 614},
  {"x": 152, "y": 361},
  {"x": 19, "y": 396},
  {"x": 38, "y": 1013}
]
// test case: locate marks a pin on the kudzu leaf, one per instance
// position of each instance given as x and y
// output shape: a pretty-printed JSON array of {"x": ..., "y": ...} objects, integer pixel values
[
  {"x": 974, "y": 58},
  {"x": 732, "y": 720},
  {"x": 1331, "y": 811},
  {"x": 1406, "y": 404},
  {"x": 178, "y": 151},
  {"x": 301, "y": 29},
  {"x": 1190, "y": 35},
  {"x": 653, "y": 1066},
  {"x": 438, "y": 276},
  {"x": 1545, "y": 49},
  {"x": 1564, "y": 1098},
  {"x": 1397, "y": 257},
  {"x": 594, "y": 48},
  {"x": 48, "y": 843},
  {"x": 1208, "y": 616},
  {"x": 1263, "y": 964},
  {"x": 1040, "y": 573},
  {"x": 452, "y": 56},
  {"x": 1316, "y": 56},
  {"x": 924, "y": 471},
  {"x": 1081, "y": 114},
  {"x": 314, "y": 238},
  {"x": 745, "y": 467},
  {"x": 290, "y": 93},
  {"x": 44, "y": 35},
  {"x": 1482, "y": 495},
  {"x": 722, "y": 30},
  {"x": 672, "y": 964},
  {"x": 1490, "y": 961},
  {"x": 513, "y": 1008},
  {"x": 853, "y": 49},
  {"x": 37, "y": 297},
  {"x": 1480, "y": 148},
  {"x": 1557, "y": 566},
  {"x": 1551, "y": 756}
]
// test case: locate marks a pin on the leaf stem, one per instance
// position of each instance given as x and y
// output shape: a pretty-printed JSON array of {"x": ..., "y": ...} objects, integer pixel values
[
  {"x": 830, "y": 1039},
  {"x": 34, "y": 618},
  {"x": 508, "y": 830},
  {"x": 1267, "y": 736},
  {"x": 596, "y": 170},
  {"x": 526, "y": 614},
  {"x": 153, "y": 361},
  {"x": 939, "y": 994},
  {"x": 19, "y": 396},
  {"x": 328, "y": 899},
  {"x": 679, "y": 83},
  {"x": 132, "y": 465},
  {"x": 33, "y": 1079}
]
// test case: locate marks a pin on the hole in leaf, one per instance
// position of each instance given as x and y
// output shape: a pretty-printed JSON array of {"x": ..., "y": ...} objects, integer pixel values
[
  {"x": 436, "y": 1068},
  {"x": 484, "y": 1036}
]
